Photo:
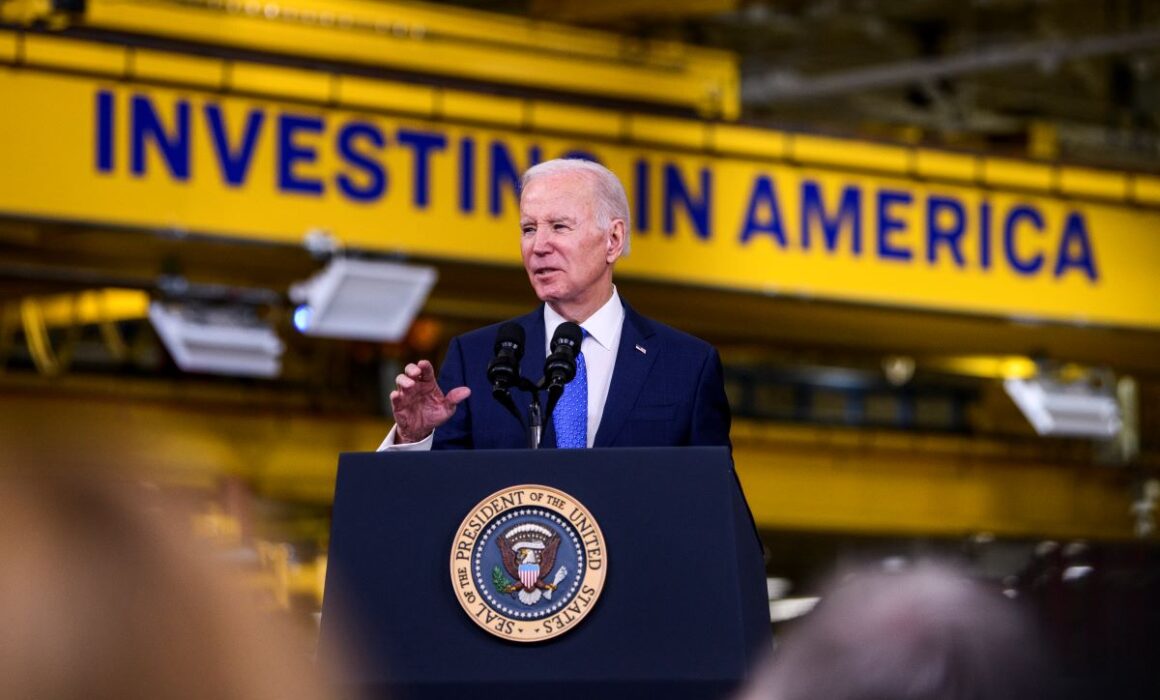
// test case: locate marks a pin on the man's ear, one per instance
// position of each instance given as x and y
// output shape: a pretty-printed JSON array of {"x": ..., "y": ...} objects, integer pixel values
[{"x": 615, "y": 241}]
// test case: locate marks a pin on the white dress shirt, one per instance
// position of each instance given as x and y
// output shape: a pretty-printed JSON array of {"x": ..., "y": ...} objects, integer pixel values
[{"x": 599, "y": 347}]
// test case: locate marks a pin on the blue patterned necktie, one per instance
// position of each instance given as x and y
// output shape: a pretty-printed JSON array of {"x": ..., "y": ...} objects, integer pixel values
[{"x": 570, "y": 417}]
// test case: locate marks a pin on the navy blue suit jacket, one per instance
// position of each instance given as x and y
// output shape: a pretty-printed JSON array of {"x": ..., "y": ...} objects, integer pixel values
[{"x": 667, "y": 390}]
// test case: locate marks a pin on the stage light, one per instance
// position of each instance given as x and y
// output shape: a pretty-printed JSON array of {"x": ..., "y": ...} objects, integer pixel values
[
  {"x": 362, "y": 299},
  {"x": 1075, "y": 409},
  {"x": 302, "y": 318},
  {"x": 217, "y": 340}
]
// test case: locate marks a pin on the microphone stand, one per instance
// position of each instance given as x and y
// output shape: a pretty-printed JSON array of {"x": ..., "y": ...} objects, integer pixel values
[
  {"x": 537, "y": 415},
  {"x": 535, "y": 421}
]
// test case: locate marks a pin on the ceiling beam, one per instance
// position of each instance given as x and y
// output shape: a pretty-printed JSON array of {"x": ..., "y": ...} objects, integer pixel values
[
  {"x": 606, "y": 11},
  {"x": 779, "y": 86}
]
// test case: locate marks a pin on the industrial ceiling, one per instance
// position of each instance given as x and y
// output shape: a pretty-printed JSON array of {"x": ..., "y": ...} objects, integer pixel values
[{"x": 1047, "y": 79}]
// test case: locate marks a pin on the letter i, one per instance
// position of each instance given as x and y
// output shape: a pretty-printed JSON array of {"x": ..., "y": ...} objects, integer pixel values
[
  {"x": 467, "y": 175},
  {"x": 985, "y": 235},
  {"x": 104, "y": 131},
  {"x": 641, "y": 182}
]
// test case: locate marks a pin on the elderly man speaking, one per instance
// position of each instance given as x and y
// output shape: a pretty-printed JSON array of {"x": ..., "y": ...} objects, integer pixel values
[{"x": 638, "y": 383}]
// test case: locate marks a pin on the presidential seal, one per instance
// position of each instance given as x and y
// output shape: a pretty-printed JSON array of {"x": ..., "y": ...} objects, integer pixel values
[{"x": 528, "y": 563}]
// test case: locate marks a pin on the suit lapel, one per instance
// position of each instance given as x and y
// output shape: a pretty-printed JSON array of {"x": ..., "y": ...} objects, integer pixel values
[{"x": 634, "y": 359}]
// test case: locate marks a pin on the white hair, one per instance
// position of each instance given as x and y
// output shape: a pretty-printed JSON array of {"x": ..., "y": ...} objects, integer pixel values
[{"x": 611, "y": 199}]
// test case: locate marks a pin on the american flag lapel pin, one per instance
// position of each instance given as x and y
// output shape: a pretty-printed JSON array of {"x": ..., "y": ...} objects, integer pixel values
[{"x": 642, "y": 350}]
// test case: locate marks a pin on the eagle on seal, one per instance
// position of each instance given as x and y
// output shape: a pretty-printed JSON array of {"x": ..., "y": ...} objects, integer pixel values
[{"x": 529, "y": 555}]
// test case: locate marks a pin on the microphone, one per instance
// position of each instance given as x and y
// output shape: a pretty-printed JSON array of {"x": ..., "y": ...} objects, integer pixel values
[
  {"x": 504, "y": 369},
  {"x": 560, "y": 367}
]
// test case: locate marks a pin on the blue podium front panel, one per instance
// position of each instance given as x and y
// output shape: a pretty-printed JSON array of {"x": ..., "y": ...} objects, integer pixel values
[{"x": 683, "y": 606}]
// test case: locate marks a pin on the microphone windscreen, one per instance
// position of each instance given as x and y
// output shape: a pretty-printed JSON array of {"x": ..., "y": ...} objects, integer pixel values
[
  {"x": 510, "y": 337},
  {"x": 567, "y": 334}
]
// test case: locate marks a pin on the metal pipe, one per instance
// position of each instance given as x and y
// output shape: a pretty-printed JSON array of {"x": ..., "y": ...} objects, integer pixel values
[{"x": 778, "y": 86}]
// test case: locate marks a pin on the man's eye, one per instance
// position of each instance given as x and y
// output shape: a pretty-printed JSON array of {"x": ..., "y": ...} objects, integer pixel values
[
  {"x": 560, "y": 227},
  {"x": 528, "y": 230}
]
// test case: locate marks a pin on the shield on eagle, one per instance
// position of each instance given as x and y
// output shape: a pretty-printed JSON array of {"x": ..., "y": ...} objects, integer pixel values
[
  {"x": 529, "y": 574},
  {"x": 529, "y": 555}
]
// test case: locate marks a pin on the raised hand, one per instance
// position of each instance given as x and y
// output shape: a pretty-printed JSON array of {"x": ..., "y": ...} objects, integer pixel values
[{"x": 420, "y": 406}]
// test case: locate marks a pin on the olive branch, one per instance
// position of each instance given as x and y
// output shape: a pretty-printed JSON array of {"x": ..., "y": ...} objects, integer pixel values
[{"x": 499, "y": 579}]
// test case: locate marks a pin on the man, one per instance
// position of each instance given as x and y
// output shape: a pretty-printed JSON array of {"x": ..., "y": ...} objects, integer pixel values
[
  {"x": 927, "y": 632},
  {"x": 646, "y": 383}
]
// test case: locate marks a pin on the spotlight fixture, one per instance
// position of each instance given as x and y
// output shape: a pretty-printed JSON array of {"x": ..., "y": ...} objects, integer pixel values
[
  {"x": 362, "y": 299},
  {"x": 1075, "y": 409},
  {"x": 228, "y": 340}
]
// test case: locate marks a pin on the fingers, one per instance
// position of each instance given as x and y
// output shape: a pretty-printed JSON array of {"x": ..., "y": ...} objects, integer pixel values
[
  {"x": 414, "y": 374},
  {"x": 458, "y": 395},
  {"x": 422, "y": 371},
  {"x": 398, "y": 402}
]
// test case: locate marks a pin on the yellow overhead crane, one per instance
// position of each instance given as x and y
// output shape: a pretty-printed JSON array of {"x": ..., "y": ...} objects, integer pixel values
[
  {"x": 428, "y": 40},
  {"x": 807, "y": 478}
]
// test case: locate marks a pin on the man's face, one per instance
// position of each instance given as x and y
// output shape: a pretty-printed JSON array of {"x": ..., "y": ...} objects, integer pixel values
[{"x": 568, "y": 257}]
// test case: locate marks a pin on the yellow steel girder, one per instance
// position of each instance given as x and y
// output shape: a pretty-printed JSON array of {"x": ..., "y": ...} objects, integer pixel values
[
  {"x": 795, "y": 478},
  {"x": 36, "y": 315},
  {"x": 833, "y": 479},
  {"x": 321, "y": 87},
  {"x": 445, "y": 41},
  {"x": 591, "y": 11}
]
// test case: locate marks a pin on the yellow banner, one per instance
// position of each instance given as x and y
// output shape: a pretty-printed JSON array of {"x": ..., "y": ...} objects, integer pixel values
[{"x": 106, "y": 151}]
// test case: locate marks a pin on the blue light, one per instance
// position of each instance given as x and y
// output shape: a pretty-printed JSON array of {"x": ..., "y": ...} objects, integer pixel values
[{"x": 302, "y": 318}]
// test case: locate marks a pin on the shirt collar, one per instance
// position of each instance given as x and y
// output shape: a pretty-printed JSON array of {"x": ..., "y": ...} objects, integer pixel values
[{"x": 601, "y": 326}]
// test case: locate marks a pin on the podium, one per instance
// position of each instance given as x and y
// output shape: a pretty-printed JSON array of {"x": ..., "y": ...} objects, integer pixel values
[{"x": 683, "y": 612}]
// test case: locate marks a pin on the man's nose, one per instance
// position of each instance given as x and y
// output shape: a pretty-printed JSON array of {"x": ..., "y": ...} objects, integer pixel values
[{"x": 541, "y": 241}]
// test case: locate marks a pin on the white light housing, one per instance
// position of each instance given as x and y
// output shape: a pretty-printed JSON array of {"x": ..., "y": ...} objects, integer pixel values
[
  {"x": 363, "y": 299},
  {"x": 1075, "y": 410},
  {"x": 789, "y": 608},
  {"x": 217, "y": 341}
]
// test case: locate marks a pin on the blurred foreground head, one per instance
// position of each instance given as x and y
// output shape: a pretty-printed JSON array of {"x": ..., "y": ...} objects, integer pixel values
[
  {"x": 102, "y": 598},
  {"x": 925, "y": 633}
]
